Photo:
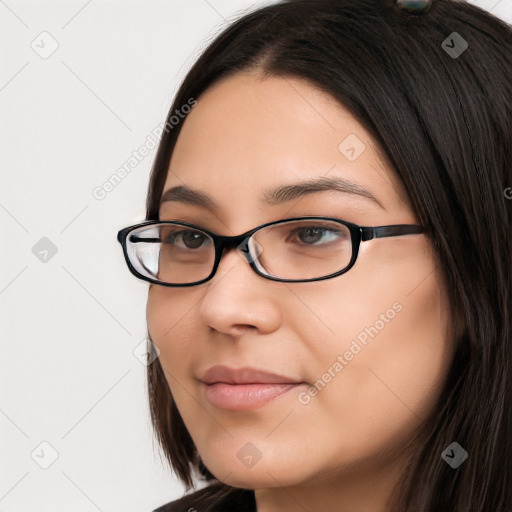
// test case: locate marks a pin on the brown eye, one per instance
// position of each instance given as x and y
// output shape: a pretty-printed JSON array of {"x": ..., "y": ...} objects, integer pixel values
[
  {"x": 190, "y": 239},
  {"x": 310, "y": 235}
]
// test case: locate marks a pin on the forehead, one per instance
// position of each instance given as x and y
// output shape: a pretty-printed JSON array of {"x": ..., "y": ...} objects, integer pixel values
[{"x": 249, "y": 133}]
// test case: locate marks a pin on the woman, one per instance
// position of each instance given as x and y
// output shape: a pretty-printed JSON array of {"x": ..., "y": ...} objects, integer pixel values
[{"x": 352, "y": 353}]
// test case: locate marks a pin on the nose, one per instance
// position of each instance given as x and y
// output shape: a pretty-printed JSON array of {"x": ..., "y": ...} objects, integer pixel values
[{"x": 237, "y": 299}]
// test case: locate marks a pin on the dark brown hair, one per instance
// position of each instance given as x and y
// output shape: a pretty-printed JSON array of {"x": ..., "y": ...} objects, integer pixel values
[{"x": 444, "y": 124}]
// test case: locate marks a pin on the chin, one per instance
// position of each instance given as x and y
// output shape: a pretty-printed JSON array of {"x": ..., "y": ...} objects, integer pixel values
[
  {"x": 263, "y": 474},
  {"x": 258, "y": 480}
]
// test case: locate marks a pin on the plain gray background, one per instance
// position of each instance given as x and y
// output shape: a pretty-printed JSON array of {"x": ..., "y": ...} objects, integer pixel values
[{"x": 82, "y": 86}]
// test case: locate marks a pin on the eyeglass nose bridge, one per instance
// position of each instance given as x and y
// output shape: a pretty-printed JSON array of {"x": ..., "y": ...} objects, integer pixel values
[{"x": 240, "y": 242}]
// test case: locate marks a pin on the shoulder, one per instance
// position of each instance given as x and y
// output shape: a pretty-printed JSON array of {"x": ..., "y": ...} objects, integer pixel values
[{"x": 216, "y": 497}]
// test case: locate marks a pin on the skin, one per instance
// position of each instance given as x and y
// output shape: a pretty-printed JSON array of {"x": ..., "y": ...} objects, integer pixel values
[{"x": 346, "y": 448}]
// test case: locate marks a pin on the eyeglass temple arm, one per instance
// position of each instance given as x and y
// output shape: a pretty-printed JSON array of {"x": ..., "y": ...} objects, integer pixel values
[
  {"x": 367, "y": 233},
  {"x": 135, "y": 239}
]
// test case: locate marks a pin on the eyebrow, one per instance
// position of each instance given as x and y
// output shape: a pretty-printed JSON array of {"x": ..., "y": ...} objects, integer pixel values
[{"x": 278, "y": 195}]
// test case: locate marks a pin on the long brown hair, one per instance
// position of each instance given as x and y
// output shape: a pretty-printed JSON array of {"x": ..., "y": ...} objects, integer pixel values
[{"x": 444, "y": 123}]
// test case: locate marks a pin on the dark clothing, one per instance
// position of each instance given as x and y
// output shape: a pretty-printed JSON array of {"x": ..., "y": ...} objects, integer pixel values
[{"x": 216, "y": 497}]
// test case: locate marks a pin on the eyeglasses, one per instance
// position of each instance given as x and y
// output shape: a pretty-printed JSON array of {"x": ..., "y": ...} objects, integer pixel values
[{"x": 295, "y": 250}]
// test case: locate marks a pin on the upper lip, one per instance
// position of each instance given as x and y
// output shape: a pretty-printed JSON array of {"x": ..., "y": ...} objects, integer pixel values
[{"x": 244, "y": 375}]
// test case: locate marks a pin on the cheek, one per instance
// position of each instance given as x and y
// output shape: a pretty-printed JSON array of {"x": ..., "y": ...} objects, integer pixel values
[
  {"x": 170, "y": 325},
  {"x": 393, "y": 337},
  {"x": 167, "y": 317},
  {"x": 395, "y": 310}
]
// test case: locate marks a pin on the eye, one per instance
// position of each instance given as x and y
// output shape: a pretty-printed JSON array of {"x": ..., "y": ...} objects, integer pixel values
[
  {"x": 191, "y": 239},
  {"x": 310, "y": 235}
]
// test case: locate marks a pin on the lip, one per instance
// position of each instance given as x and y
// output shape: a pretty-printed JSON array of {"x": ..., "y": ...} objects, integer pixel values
[
  {"x": 244, "y": 375},
  {"x": 244, "y": 388}
]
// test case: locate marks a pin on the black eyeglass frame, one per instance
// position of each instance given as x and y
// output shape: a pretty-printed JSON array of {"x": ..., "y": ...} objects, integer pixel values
[{"x": 358, "y": 234}]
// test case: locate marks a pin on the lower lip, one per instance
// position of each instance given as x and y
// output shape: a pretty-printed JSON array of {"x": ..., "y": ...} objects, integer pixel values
[{"x": 238, "y": 397}]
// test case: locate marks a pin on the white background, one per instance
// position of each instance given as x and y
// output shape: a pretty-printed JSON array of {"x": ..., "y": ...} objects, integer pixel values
[{"x": 69, "y": 325}]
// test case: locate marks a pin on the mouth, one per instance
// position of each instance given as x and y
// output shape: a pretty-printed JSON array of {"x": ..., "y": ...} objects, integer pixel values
[
  {"x": 244, "y": 388},
  {"x": 237, "y": 397}
]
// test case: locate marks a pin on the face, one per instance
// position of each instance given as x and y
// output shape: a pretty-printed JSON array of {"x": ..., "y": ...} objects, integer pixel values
[{"x": 367, "y": 350}]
